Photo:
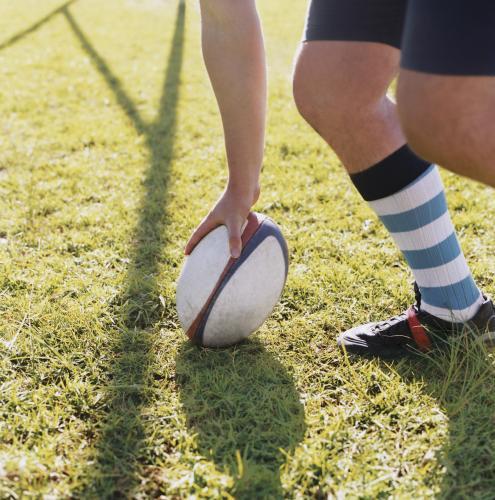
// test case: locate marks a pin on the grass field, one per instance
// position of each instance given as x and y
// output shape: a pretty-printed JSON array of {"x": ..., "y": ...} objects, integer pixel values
[{"x": 110, "y": 152}]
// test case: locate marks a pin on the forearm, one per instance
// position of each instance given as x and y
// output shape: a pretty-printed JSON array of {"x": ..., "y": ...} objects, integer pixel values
[{"x": 234, "y": 56}]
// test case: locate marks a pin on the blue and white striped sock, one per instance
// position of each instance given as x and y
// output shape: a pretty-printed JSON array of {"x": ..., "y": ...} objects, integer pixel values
[{"x": 418, "y": 219}]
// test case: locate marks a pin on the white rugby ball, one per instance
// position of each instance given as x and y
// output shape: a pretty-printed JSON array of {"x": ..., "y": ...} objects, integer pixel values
[{"x": 221, "y": 300}]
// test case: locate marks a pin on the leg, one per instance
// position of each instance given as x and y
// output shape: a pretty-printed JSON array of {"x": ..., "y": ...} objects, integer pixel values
[
  {"x": 345, "y": 97},
  {"x": 340, "y": 89},
  {"x": 446, "y": 89},
  {"x": 449, "y": 121},
  {"x": 343, "y": 70}
]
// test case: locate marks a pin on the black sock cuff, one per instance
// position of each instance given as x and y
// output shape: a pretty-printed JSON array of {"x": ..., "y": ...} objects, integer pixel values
[{"x": 390, "y": 175}]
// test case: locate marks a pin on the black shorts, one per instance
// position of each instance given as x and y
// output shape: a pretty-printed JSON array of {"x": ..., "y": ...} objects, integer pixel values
[{"x": 449, "y": 37}]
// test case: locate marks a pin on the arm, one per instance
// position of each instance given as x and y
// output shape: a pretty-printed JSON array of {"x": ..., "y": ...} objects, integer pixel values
[{"x": 234, "y": 56}]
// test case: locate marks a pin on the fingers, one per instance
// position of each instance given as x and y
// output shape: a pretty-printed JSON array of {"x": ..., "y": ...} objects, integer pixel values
[
  {"x": 235, "y": 242},
  {"x": 234, "y": 230},
  {"x": 201, "y": 231}
]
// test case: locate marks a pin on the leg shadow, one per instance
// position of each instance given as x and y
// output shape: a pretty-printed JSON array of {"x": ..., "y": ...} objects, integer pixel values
[
  {"x": 115, "y": 472},
  {"x": 462, "y": 380},
  {"x": 242, "y": 403}
]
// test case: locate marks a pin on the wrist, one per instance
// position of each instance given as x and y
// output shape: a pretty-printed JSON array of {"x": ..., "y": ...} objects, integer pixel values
[{"x": 246, "y": 191}]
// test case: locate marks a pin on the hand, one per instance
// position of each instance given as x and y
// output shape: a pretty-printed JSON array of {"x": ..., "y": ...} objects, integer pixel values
[{"x": 230, "y": 210}]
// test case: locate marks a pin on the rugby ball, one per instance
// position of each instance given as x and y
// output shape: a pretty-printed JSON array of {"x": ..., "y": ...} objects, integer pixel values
[{"x": 222, "y": 300}]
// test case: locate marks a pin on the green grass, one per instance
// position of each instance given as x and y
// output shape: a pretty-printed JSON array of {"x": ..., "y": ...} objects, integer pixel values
[{"x": 110, "y": 152}]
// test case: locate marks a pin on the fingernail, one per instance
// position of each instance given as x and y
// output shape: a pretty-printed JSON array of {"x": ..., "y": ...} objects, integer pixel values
[{"x": 236, "y": 253}]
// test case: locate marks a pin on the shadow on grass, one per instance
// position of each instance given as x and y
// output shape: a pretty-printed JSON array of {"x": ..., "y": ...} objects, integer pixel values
[
  {"x": 120, "y": 442},
  {"x": 462, "y": 380},
  {"x": 244, "y": 407},
  {"x": 38, "y": 24}
]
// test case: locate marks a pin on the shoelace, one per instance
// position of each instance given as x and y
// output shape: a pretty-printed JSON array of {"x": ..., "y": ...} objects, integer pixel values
[
  {"x": 390, "y": 325},
  {"x": 417, "y": 296}
]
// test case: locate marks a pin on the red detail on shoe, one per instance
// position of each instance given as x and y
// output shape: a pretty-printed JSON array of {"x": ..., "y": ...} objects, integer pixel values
[
  {"x": 254, "y": 221},
  {"x": 418, "y": 332}
]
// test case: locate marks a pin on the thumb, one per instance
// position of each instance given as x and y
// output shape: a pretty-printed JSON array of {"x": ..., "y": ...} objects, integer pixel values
[{"x": 235, "y": 242}]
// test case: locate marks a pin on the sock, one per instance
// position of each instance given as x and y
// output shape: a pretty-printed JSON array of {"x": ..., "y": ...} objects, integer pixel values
[{"x": 407, "y": 194}]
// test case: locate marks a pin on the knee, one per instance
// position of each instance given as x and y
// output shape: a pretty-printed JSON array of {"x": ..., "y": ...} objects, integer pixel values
[
  {"x": 334, "y": 89},
  {"x": 319, "y": 95},
  {"x": 307, "y": 92},
  {"x": 305, "y": 103}
]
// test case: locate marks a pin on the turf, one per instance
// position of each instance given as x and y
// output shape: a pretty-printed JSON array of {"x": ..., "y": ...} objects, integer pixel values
[{"x": 110, "y": 152}]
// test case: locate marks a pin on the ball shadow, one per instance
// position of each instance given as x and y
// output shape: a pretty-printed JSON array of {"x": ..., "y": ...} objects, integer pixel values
[{"x": 246, "y": 412}]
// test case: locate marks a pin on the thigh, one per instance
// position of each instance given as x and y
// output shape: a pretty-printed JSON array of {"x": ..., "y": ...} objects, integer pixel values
[
  {"x": 379, "y": 21},
  {"x": 450, "y": 37}
]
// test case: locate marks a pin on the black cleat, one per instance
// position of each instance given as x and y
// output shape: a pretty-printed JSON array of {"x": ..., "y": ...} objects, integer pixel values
[{"x": 414, "y": 330}]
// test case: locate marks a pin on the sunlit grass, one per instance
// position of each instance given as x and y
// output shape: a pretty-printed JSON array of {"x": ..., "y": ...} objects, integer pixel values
[{"x": 110, "y": 152}]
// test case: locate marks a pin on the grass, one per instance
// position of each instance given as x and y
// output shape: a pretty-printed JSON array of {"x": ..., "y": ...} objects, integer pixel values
[{"x": 110, "y": 153}]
